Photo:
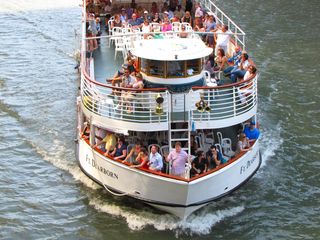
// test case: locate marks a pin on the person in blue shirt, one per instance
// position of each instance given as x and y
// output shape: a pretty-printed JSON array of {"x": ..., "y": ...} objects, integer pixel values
[{"x": 252, "y": 132}]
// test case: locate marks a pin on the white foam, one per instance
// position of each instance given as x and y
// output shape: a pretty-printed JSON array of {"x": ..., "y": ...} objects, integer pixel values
[
  {"x": 199, "y": 223},
  {"x": 270, "y": 142},
  {"x": 56, "y": 156}
]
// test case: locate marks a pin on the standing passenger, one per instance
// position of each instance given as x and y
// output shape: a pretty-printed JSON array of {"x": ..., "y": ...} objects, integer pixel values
[{"x": 178, "y": 157}]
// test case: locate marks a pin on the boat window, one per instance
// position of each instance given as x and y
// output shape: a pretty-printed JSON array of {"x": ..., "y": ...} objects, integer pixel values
[
  {"x": 144, "y": 63},
  {"x": 193, "y": 67},
  {"x": 175, "y": 69},
  {"x": 156, "y": 68}
]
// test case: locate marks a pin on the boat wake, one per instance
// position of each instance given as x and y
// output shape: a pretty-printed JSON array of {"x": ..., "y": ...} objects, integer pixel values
[{"x": 198, "y": 223}]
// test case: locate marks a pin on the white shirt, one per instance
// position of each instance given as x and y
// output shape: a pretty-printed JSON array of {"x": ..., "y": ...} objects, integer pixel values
[{"x": 222, "y": 39}]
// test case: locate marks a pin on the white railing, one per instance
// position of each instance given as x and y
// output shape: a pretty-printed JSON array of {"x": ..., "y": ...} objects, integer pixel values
[
  {"x": 221, "y": 18},
  {"x": 224, "y": 102},
  {"x": 122, "y": 103}
]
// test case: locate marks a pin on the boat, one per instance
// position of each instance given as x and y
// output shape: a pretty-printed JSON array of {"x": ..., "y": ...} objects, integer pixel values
[{"x": 179, "y": 102}]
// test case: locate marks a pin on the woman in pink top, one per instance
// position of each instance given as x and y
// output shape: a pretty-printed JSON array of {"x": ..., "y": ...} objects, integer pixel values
[{"x": 166, "y": 26}]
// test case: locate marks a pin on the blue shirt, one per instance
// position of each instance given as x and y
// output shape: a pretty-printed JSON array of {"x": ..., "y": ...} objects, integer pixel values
[
  {"x": 251, "y": 134},
  {"x": 156, "y": 161}
]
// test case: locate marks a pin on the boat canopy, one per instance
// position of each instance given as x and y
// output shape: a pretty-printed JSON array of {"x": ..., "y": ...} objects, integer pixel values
[{"x": 171, "y": 49}]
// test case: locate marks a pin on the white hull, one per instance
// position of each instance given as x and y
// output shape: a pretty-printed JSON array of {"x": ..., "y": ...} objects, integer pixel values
[{"x": 177, "y": 197}]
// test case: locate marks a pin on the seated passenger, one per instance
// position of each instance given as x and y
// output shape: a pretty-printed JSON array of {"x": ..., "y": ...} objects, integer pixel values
[
  {"x": 242, "y": 68},
  {"x": 155, "y": 159},
  {"x": 166, "y": 26},
  {"x": 187, "y": 18},
  {"x": 156, "y": 19},
  {"x": 129, "y": 95},
  {"x": 110, "y": 142},
  {"x": 145, "y": 28},
  {"x": 243, "y": 144},
  {"x": 178, "y": 157},
  {"x": 251, "y": 132},
  {"x": 179, "y": 12},
  {"x": 183, "y": 33},
  {"x": 123, "y": 16},
  {"x": 120, "y": 151},
  {"x": 142, "y": 159},
  {"x": 86, "y": 131},
  {"x": 199, "y": 164},
  {"x": 133, "y": 154},
  {"x": 250, "y": 73},
  {"x": 198, "y": 25},
  {"x": 214, "y": 157},
  {"x": 116, "y": 22},
  {"x": 135, "y": 22},
  {"x": 221, "y": 60}
]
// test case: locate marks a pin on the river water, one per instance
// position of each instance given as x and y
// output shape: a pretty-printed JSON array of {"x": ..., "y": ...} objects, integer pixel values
[{"x": 43, "y": 193}]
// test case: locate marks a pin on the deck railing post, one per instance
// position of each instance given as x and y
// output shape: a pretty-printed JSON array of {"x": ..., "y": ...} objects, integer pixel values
[{"x": 234, "y": 101}]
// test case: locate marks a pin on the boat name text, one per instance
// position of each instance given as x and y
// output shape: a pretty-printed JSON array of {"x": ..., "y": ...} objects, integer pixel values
[
  {"x": 248, "y": 164},
  {"x": 106, "y": 172}
]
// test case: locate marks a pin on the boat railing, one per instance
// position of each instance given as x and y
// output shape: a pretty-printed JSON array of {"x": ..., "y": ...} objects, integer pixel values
[
  {"x": 222, "y": 18},
  {"x": 223, "y": 102},
  {"x": 125, "y": 104}
]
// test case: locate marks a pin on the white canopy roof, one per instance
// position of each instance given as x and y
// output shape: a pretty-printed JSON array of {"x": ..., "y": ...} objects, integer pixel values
[{"x": 171, "y": 49}]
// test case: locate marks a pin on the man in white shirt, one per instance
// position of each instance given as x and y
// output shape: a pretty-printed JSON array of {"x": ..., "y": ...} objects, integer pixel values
[
  {"x": 155, "y": 159},
  {"x": 222, "y": 39}
]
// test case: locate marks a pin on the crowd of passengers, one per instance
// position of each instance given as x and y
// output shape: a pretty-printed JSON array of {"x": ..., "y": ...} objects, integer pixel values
[
  {"x": 139, "y": 156},
  {"x": 237, "y": 66}
]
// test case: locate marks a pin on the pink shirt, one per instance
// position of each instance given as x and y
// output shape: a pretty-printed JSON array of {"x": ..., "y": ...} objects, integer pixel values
[
  {"x": 178, "y": 161},
  {"x": 167, "y": 27}
]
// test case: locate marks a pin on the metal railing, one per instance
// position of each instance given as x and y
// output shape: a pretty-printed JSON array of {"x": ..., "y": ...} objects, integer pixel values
[
  {"x": 225, "y": 101},
  {"x": 123, "y": 104},
  {"x": 221, "y": 18}
]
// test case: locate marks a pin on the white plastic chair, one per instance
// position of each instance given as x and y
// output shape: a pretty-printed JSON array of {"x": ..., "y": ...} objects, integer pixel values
[
  {"x": 119, "y": 47},
  {"x": 155, "y": 27},
  {"x": 176, "y": 26},
  {"x": 226, "y": 145}
]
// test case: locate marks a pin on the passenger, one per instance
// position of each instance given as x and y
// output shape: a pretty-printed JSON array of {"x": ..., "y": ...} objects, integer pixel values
[
  {"x": 86, "y": 131},
  {"x": 156, "y": 18},
  {"x": 117, "y": 22},
  {"x": 133, "y": 154},
  {"x": 146, "y": 16},
  {"x": 178, "y": 157},
  {"x": 135, "y": 22},
  {"x": 154, "y": 8},
  {"x": 214, "y": 157},
  {"x": 199, "y": 164},
  {"x": 145, "y": 28},
  {"x": 166, "y": 26},
  {"x": 127, "y": 79},
  {"x": 193, "y": 145},
  {"x": 155, "y": 159},
  {"x": 179, "y": 12},
  {"x": 183, "y": 33},
  {"x": 221, "y": 60},
  {"x": 243, "y": 144},
  {"x": 129, "y": 95},
  {"x": 189, "y": 5},
  {"x": 120, "y": 151},
  {"x": 198, "y": 25},
  {"x": 110, "y": 142},
  {"x": 252, "y": 132},
  {"x": 142, "y": 159},
  {"x": 99, "y": 32},
  {"x": 100, "y": 134},
  {"x": 198, "y": 11},
  {"x": 123, "y": 16},
  {"x": 210, "y": 26},
  {"x": 242, "y": 68},
  {"x": 250, "y": 73},
  {"x": 187, "y": 18},
  {"x": 233, "y": 62},
  {"x": 92, "y": 32},
  {"x": 222, "y": 39},
  {"x": 210, "y": 64}
]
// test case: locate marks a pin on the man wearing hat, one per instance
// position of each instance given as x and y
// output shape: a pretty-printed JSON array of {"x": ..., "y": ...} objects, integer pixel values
[
  {"x": 146, "y": 16},
  {"x": 251, "y": 131},
  {"x": 123, "y": 16}
]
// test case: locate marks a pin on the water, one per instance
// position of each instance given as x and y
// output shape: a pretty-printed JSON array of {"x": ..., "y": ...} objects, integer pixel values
[{"x": 44, "y": 195}]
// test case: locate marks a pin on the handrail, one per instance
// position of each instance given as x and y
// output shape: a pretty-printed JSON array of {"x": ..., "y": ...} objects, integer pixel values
[{"x": 87, "y": 77}]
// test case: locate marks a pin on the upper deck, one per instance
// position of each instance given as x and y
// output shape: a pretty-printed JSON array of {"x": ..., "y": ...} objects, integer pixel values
[{"x": 228, "y": 104}]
